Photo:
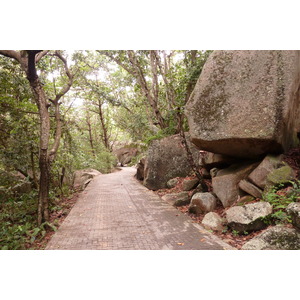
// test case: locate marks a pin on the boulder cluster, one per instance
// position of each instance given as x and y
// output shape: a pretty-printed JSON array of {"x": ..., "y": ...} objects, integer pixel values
[{"x": 243, "y": 115}]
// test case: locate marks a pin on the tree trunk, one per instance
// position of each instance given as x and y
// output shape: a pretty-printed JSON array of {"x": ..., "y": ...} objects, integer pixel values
[
  {"x": 105, "y": 138},
  {"x": 35, "y": 181},
  {"x": 189, "y": 154},
  {"x": 44, "y": 163},
  {"x": 88, "y": 121}
]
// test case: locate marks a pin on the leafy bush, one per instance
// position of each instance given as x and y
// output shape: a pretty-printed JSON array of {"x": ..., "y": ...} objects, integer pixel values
[
  {"x": 280, "y": 197},
  {"x": 18, "y": 219}
]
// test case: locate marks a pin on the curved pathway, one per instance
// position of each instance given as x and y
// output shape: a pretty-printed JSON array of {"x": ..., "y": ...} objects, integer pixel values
[{"x": 116, "y": 212}]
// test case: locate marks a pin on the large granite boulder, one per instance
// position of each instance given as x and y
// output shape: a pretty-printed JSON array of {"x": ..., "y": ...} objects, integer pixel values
[
  {"x": 167, "y": 159},
  {"x": 245, "y": 103},
  {"x": 83, "y": 177},
  {"x": 248, "y": 217},
  {"x": 226, "y": 184},
  {"x": 275, "y": 238},
  {"x": 126, "y": 154}
]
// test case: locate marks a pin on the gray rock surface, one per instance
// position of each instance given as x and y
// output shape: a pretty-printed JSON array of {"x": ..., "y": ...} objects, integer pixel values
[
  {"x": 202, "y": 202},
  {"x": 126, "y": 154},
  {"x": 275, "y": 238},
  {"x": 211, "y": 160},
  {"x": 22, "y": 187},
  {"x": 190, "y": 184},
  {"x": 214, "y": 172},
  {"x": 278, "y": 176},
  {"x": 83, "y": 177},
  {"x": 293, "y": 210},
  {"x": 213, "y": 221},
  {"x": 245, "y": 103},
  {"x": 167, "y": 159},
  {"x": 140, "y": 169},
  {"x": 177, "y": 199},
  {"x": 250, "y": 188},
  {"x": 172, "y": 183},
  {"x": 225, "y": 184},
  {"x": 248, "y": 217}
]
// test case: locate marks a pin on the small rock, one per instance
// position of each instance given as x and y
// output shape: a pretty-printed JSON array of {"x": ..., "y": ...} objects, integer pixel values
[
  {"x": 172, "y": 183},
  {"x": 190, "y": 184},
  {"x": 244, "y": 200},
  {"x": 212, "y": 160},
  {"x": 275, "y": 238},
  {"x": 293, "y": 210},
  {"x": 202, "y": 202},
  {"x": 22, "y": 187},
  {"x": 140, "y": 169},
  {"x": 206, "y": 174},
  {"x": 248, "y": 217},
  {"x": 198, "y": 189},
  {"x": 213, "y": 221},
  {"x": 269, "y": 164},
  {"x": 213, "y": 172},
  {"x": 177, "y": 199},
  {"x": 250, "y": 188}
]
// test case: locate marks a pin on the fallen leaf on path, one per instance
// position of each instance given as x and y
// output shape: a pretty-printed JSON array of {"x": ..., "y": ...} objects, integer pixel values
[
  {"x": 180, "y": 244},
  {"x": 202, "y": 240}
]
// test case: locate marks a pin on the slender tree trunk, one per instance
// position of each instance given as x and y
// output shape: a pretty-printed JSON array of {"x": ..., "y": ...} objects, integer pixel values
[
  {"x": 104, "y": 127},
  {"x": 35, "y": 181},
  {"x": 88, "y": 121},
  {"x": 190, "y": 155},
  {"x": 44, "y": 163}
]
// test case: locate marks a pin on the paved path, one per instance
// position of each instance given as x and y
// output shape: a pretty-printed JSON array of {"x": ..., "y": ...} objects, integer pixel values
[{"x": 116, "y": 212}]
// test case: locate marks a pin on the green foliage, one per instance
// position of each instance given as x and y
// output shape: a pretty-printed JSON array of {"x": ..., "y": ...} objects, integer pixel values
[
  {"x": 280, "y": 197},
  {"x": 160, "y": 134},
  {"x": 18, "y": 219},
  {"x": 235, "y": 232}
]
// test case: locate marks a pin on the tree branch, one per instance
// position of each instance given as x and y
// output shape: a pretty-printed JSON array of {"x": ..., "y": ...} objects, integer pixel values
[
  {"x": 118, "y": 61},
  {"x": 40, "y": 55},
  {"x": 11, "y": 54},
  {"x": 66, "y": 88}
]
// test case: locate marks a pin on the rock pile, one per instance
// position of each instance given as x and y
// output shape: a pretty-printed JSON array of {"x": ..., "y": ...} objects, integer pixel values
[{"x": 244, "y": 112}]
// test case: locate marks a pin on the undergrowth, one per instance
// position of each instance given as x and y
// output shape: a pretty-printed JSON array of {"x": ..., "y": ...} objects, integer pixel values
[
  {"x": 18, "y": 219},
  {"x": 280, "y": 197}
]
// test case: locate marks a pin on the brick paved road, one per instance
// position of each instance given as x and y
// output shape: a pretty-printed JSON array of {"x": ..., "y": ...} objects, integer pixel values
[{"x": 116, "y": 212}]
